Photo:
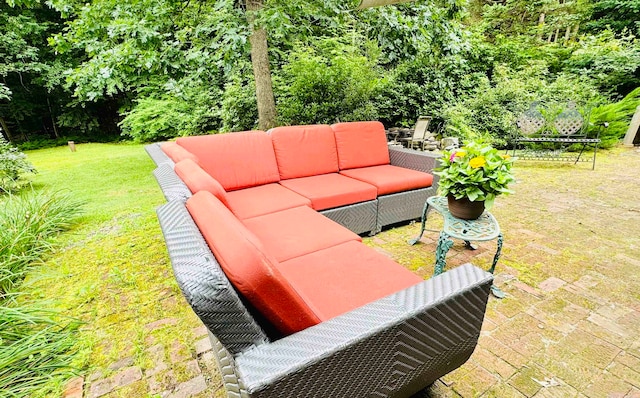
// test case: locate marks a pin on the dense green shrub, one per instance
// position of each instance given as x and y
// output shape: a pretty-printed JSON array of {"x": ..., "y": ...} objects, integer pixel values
[
  {"x": 13, "y": 167},
  {"x": 425, "y": 84},
  {"x": 414, "y": 88},
  {"x": 239, "y": 110},
  {"x": 325, "y": 82},
  {"x": 617, "y": 115},
  {"x": 182, "y": 111},
  {"x": 612, "y": 62},
  {"x": 619, "y": 15},
  {"x": 492, "y": 109}
]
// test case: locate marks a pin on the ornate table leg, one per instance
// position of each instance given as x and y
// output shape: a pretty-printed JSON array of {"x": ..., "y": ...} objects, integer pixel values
[
  {"x": 425, "y": 211},
  {"x": 470, "y": 246},
  {"x": 444, "y": 244},
  {"x": 494, "y": 289}
]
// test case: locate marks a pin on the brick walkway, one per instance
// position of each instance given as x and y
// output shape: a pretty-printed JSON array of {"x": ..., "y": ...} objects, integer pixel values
[{"x": 569, "y": 327}]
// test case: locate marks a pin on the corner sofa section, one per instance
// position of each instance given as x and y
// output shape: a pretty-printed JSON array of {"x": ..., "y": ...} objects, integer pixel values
[{"x": 295, "y": 303}]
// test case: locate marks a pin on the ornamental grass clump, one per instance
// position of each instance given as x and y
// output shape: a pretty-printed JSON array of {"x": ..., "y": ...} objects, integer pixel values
[
  {"x": 14, "y": 165},
  {"x": 476, "y": 172},
  {"x": 36, "y": 344}
]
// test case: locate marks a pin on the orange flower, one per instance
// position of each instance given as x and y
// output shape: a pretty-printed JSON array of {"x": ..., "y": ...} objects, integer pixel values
[{"x": 477, "y": 162}]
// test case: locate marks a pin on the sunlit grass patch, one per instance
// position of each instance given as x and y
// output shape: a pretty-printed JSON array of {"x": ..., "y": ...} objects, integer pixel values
[{"x": 112, "y": 270}]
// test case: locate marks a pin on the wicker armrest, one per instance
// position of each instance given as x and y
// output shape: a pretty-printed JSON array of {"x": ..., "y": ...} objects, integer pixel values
[
  {"x": 157, "y": 155},
  {"x": 416, "y": 160},
  {"x": 172, "y": 186},
  {"x": 394, "y": 346}
]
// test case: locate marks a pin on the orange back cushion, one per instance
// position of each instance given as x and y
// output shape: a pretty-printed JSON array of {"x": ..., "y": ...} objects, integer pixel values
[
  {"x": 198, "y": 180},
  {"x": 236, "y": 160},
  {"x": 303, "y": 151},
  {"x": 176, "y": 152},
  {"x": 361, "y": 144},
  {"x": 250, "y": 269}
]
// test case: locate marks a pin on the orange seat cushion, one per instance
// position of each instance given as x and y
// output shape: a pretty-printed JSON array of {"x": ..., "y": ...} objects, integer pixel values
[
  {"x": 248, "y": 266},
  {"x": 294, "y": 232},
  {"x": 236, "y": 160},
  {"x": 198, "y": 180},
  {"x": 176, "y": 152},
  {"x": 331, "y": 190},
  {"x": 264, "y": 199},
  {"x": 344, "y": 277},
  {"x": 390, "y": 179},
  {"x": 361, "y": 144},
  {"x": 303, "y": 151}
]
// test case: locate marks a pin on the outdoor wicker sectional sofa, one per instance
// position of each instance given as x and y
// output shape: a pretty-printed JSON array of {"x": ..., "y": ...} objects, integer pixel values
[{"x": 263, "y": 234}]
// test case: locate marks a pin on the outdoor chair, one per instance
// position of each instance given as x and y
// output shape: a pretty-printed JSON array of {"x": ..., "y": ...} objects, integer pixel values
[{"x": 420, "y": 133}]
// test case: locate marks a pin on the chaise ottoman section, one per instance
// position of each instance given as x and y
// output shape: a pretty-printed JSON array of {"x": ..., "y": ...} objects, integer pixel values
[
  {"x": 344, "y": 277},
  {"x": 295, "y": 232},
  {"x": 327, "y": 191}
]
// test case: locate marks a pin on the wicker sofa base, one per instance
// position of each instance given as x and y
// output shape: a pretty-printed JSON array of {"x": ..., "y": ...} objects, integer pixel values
[
  {"x": 359, "y": 218},
  {"x": 402, "y": 206}
]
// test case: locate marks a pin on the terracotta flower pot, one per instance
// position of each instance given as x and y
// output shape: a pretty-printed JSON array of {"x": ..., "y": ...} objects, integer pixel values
[{"x": 464, "y": 208}]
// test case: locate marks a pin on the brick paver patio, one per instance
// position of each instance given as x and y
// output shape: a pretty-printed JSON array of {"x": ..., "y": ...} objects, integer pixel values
[{"x": 569, "y": 327}]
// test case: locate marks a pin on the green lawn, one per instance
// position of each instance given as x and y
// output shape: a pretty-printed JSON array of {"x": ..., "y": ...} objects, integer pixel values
[{"x": 111, "y": 271}]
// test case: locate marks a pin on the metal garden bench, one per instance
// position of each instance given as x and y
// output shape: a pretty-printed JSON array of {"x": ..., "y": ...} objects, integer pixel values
[{"x": 541, "y": 141}]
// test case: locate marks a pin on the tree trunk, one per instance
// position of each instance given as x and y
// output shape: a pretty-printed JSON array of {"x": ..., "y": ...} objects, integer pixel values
[
  {"x": 555, "y": 39},
  {"x": 575, "y": 30},
  {"x": 5, "y": 129},
  {"x": 540, "y": 25},
  {"x": 567, "y": 34},
  {"x": 53, "y": 119},
  {"x": 261, "y": 71}
]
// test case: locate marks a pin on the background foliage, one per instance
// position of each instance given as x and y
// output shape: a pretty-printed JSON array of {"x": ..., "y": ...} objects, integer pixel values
[{"x": 153, "y": 70}]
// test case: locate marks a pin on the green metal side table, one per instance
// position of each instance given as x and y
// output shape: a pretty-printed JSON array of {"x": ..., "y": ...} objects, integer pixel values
[{"x": 482, "y": 229}]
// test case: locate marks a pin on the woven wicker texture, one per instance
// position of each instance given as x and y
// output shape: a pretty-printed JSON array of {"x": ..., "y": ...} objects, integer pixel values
[
  {"x": 359, "y": 218},
  {"x": 157, "y": 155},
  {"x": 227, "y": 367},
  {"x": 203, "y": 282},
  {"x": 415, "y": 160},
  {"x": 172, "y": 186},
  {"x": 392, "y": 347},
  {"x": 402, "y": 206}
]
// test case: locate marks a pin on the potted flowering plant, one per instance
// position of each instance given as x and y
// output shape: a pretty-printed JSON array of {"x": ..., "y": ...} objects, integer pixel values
[{"x": 473, "y": 176}]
